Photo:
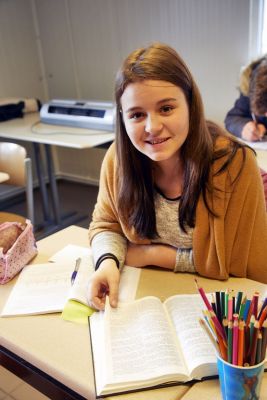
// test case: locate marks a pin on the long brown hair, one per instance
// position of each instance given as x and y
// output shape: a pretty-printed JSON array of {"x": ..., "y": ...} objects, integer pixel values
[{"x": 135, "y": 180}]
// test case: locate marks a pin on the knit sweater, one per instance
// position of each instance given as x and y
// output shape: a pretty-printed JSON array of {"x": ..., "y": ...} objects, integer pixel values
[{"x": 232, "y": 243}]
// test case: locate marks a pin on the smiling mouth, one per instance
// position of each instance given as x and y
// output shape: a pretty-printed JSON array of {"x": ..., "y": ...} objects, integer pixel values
[{"x": 156, "y": 141}]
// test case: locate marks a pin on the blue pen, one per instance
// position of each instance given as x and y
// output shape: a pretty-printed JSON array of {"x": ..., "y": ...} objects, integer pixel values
[{"x": 77, "y": 265}]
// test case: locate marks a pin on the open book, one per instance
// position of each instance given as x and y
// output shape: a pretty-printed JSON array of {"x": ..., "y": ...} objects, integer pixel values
[
  {"x": 46, "y": 288},
  {"x": 147, "y": 344}
]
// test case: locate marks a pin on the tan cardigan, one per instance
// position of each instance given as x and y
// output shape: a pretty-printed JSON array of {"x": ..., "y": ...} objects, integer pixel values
[{"x": 234, "y": 243}]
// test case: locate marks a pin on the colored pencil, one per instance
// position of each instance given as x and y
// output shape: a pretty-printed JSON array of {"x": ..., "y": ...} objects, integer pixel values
[
  {"x": 241, "y": 325},
  {"x": 225, "y": 326},
  {"x": 222, "y": 304},
  {"x": 238, "y": 302},
  {"x": 253, "y": 347},
  {"x": 214, "y": 318},
  {"x": 218, "y": 306},
  {"x": 226, "y": 296},
  {"x": 242, "y": 308},
  {"x": 230, "y": 308},
  {"x": 246, "y": 310},
  {"x": 264, "y": 304},
  {"x": 211, "y": 337},
  {"x": 209, "y": 322},
  {"x": 247, "y": 343},
  {"x": 213, "y": 305},
  {"x": 258, "y": 349},
  {"x": 264, "y": 340},
  {"x": 250, "y": 310},
  {"x": 235, "y": 342},
  {"x": 263, "y": 316},
  {"x": 233, "y": 302},
  {"x": 251, "y": 327},
  {"x": 203, "y": 295},
  {"x": 230, "y": 342},
  {"x": 255, "y": 301}
]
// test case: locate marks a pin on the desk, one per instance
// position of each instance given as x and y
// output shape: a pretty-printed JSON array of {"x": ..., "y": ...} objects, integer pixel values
[
  {"x": 3, "y": 177},
  {"x": 30, "y": 129},
  {"x": 261, "y": 150},
  {"x": 262, "y": 159},
  {"x": 59, "y": 349}
]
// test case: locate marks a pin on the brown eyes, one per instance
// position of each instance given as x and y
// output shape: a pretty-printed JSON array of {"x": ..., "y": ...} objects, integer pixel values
[
  {"x": 136, "y": 115},
  {"x": 140, "y": 114},
  {"x": 166, "y": 109}
]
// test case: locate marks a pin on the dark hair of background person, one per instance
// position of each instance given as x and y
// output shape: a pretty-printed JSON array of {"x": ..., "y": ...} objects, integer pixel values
[
  {"x": 258, "y": 88},
  {"x": 135, "y": 179}
]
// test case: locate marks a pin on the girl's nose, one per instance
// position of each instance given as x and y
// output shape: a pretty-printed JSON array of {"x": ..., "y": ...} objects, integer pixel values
[{"x": 153, "y": 124}]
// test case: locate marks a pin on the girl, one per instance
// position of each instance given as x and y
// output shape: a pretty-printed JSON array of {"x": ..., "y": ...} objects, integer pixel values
[{"x": 176, "y": 191}]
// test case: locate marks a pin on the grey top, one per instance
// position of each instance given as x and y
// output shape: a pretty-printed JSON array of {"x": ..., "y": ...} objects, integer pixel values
[{"x": 168, "y": 230}]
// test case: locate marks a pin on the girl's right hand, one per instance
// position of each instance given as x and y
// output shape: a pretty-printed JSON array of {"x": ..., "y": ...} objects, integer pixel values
[{"x": 105, "y": 281}]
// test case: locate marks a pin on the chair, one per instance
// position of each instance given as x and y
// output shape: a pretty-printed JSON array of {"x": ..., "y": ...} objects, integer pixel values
[{"x": 14, "y": 162}]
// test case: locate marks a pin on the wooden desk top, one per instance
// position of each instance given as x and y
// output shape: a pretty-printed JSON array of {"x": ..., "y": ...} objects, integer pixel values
[
  {"x": 62, "y": 349},
  {"x": 262, "y": 159},
  {"x": 30, "y": 129}
]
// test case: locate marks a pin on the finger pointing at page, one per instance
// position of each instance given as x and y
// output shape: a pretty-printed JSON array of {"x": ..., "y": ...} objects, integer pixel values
[{"x": 104, "y": 281}]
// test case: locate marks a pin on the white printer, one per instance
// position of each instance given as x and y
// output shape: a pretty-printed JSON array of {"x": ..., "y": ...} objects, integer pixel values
[{"x": 89, "y": 114}]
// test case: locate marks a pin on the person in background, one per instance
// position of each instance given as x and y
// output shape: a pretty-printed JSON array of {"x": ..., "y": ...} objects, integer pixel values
[
  {"x": 248, "y": 118},
  {"x": 176, "y": 191}
]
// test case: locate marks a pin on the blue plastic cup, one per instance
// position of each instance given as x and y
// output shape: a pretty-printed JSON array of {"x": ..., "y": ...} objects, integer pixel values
[{"x": 240, "y": 383}]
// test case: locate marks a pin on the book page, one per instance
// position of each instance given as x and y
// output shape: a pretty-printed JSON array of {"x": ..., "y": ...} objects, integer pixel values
[
  {"x": 46, "y": 288},
  {"x": 139, "y": 345},
  {"x": 185, "y": 311},
  {"x": 70, "y": 253},
  {"x": 259, "y": 145},
  {"x": 78, "y": 291},
  {"x": 128, "y": 281},
  {"x": 40, "y": 288}
]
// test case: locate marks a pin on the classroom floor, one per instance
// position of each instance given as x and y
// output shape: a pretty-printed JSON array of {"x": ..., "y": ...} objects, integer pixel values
[
  {"x": 13, "y": 388},
  {"x": 73, "y": 196}
]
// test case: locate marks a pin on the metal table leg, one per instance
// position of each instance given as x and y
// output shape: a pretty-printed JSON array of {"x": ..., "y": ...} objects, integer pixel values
[
  {"x": 52, "y": 181},
  {"x": 41, "y": 179}
]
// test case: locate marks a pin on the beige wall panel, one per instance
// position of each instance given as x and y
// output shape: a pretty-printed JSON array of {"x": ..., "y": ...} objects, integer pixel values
[
  {"x": 55, "y": 40},
  {"x": 81, "y": 43},
  {"x": 20, "y": 74},
  {"x": 84, "y": 42}
]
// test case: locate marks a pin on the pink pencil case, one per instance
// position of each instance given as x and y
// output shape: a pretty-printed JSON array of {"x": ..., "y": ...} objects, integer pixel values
[{"x": 17, "y": 248}]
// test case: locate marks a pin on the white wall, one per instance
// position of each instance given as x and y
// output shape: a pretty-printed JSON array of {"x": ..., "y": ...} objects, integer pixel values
[{"x": 72, "y": 49}]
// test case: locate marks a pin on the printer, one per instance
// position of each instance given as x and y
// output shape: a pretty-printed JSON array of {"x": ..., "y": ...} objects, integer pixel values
[{"x": 97, "y": 115}]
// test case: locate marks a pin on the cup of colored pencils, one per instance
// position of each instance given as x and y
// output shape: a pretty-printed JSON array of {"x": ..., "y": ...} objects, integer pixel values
[{"x": 237, "y": 327}]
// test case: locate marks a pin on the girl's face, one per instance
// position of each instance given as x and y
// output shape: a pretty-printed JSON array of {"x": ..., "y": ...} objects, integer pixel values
[{"x": 156, "y": 118}]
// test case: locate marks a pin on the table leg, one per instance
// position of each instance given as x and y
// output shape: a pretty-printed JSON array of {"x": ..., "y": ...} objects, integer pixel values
[
  {"x": 56, "y": 221},
  {"x": 41, "y": 179},
  {"x": 53, "y": 184}
]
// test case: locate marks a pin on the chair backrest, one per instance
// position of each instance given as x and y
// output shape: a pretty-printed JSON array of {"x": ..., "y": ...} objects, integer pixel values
[
  {"x": 9, "y": 217},
  {"x": 14, "y": 161}
]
